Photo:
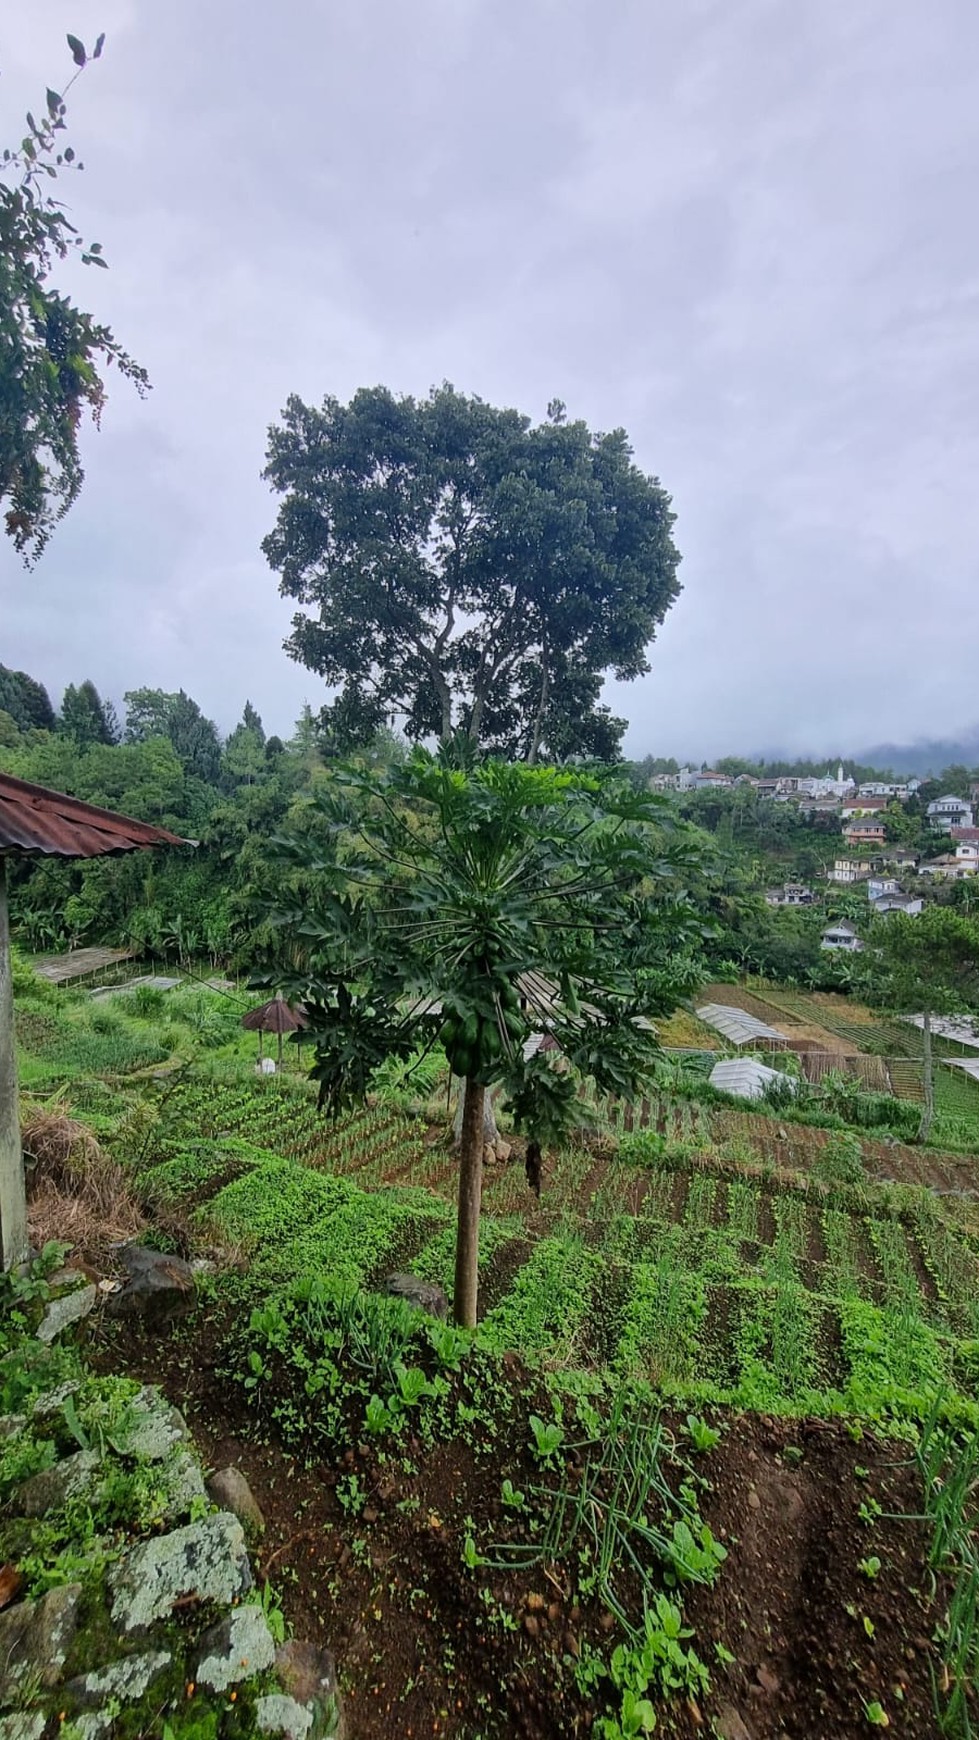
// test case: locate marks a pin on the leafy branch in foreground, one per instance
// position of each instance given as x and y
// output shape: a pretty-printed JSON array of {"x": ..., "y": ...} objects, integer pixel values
[{"x": 51, "y": 353}]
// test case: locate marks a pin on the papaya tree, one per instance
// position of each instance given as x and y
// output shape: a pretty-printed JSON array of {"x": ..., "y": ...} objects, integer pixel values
[
  {"x": 925, "y": 965},
  {"x": 427, "y": 906}
]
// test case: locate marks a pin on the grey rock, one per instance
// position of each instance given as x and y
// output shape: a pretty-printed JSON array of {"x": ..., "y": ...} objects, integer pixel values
[
  {"x": 308, "y": 1673},
  {"x": 66, "y": 1280},
  {"x": 52, "y": 1401},
  {"x": 182, "y": 1483},
  {"x": 206, "y": 1560},
  {"x": 160, "y": 1287},
  {"x": 69, "y": 1308},
  {"x": 74, "y": 1477},
  {"x": 11, "y": 1425},
  {"x": 126, "y": 1679},
  {"x": 278, "y": 1714},
  {"x": 424, "y": 1295},
  {"x": 236, "y": 1648},
  {"x": 23, "y": 1725},
  {"x": 230, "y": 1490},
  {"x": 153, "y": 1428},
  {"x": 91, "y": 1723},
  {"x": 35, "y": 1637}
]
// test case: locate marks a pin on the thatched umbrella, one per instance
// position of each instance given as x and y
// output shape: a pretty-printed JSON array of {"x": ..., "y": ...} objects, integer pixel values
[
  {"x": 276, "y": 1016},
  {"x": 37, "y": 822}
]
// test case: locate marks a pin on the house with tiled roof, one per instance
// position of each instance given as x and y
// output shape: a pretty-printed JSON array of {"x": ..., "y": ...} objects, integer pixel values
[
  {"x": 863, "y": 806},
  {"x": 967, "y": 846},
  {"x": 948, "y": 868},
  {"x": 864, "y": 831}
]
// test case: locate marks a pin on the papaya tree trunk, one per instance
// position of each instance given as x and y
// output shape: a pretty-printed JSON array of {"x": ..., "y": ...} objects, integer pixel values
[
  {"x": 13, "y": 1200},
  {"x": 928, "y": 1080},
  {"x": 470, "y": 1190},
  {"x": 490, "y": 1131}
]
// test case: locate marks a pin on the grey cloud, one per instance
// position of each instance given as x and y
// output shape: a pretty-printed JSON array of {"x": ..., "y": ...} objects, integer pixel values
[{"x": 743, "y": 230}]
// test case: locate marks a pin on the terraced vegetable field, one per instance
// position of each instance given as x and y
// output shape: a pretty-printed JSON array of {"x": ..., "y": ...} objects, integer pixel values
[{"x": 674, "y": 1263}]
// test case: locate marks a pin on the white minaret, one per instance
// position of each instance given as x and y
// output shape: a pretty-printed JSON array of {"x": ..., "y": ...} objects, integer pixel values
[{"x": 839, "y": 775}]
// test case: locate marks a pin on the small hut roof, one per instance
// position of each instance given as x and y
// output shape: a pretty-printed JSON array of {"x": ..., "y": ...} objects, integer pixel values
[
  {"x": 276, "y": 1016},
  {"x": 34, "y": 819}
]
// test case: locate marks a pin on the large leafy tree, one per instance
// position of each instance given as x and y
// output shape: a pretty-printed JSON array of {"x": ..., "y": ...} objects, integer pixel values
[
  {"x": 26, "y": 700},
  {"x": 155, "y": 713},
  {"x": 243, "y": 758},
  {"x": 85, "y": 717},
  {"x": 466, "y": 571},
  {"x": 926, "y": 965},
  {"x": 427, "y": 905},
  {"x": 52, "y": 355}
]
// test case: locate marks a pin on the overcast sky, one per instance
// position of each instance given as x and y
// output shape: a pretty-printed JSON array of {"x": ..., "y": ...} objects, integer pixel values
[{"x": 745, "y": 230}]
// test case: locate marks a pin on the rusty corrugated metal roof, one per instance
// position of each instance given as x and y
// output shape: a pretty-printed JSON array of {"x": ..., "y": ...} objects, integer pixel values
[{"x": 34, "y": 819}]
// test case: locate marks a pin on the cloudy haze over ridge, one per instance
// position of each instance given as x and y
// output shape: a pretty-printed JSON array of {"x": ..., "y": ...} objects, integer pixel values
[{"x": 744, "y": 230}]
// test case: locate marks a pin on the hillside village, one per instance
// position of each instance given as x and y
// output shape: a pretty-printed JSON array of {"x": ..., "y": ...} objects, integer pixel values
[{"x": 861, "y": 831}]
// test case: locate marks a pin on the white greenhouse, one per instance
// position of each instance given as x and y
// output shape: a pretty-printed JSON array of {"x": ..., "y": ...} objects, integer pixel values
[{"x": 746, "y": 1078}]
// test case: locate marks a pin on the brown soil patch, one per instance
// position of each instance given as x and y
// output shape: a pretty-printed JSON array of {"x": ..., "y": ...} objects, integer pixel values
[
  {"x": 793, "y": 1613},
  {"x": 428, "y": 1647}
]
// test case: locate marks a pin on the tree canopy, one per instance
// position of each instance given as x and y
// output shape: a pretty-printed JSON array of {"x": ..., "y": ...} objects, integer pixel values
[
  {"x": 155, "y": 713},
  {"x": 464, "y": 570},
  {"x": 26, "y": 701},
  {"x": 85, "y": 717},
  {"x": 52, "y": 355}
]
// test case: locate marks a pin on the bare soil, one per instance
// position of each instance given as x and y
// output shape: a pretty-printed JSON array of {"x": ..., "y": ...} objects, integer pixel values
[{"x": 426, "y": 1646}]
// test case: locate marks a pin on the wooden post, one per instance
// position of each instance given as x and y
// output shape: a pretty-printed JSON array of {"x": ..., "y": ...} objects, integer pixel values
[
  {"x": 928, "y": 1081},
  {"x": 13, "y": 1198},
  {"x": 470, "y": 1192}
]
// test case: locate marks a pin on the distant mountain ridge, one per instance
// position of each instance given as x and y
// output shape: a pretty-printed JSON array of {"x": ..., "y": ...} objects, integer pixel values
[{"x": 927, "y": 756}]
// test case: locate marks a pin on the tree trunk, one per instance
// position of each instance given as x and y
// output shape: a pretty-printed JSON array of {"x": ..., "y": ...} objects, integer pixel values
[
  {"x": 490, "y": 1130},
  {"x": 539, "y": 721},
  {"x": 928, "y": 1110},
  {"x": 13, "y": 1199},
  {"x": 470, "y": 1188}
]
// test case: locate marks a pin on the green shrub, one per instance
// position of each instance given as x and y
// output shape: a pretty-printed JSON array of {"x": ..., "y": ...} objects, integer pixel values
[
  {"x": 27, "y": 983},
  {"x": 840, "y": 1160}
]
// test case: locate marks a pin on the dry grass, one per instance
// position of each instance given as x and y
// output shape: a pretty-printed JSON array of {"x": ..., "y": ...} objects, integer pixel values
[{"x": 77, "y": 1193}]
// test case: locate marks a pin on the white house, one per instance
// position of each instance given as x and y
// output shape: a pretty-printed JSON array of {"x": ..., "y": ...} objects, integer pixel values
[
  {"x": 707, "y": 780},
  {"x": 949, "y": 812},
  {"x": 841, "y": 936},
  {"x": 878, "y": 886},
  {"x": 949, "y": 868},
  {"x": 881, "y": 788},
  {"x": 901, "y": 857},
  {"x": 966, "y": 845},
  {"x": 849, "y": 870},
  {"x": 910, "y": 904},
  {"x": 790, "y": 894}
]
